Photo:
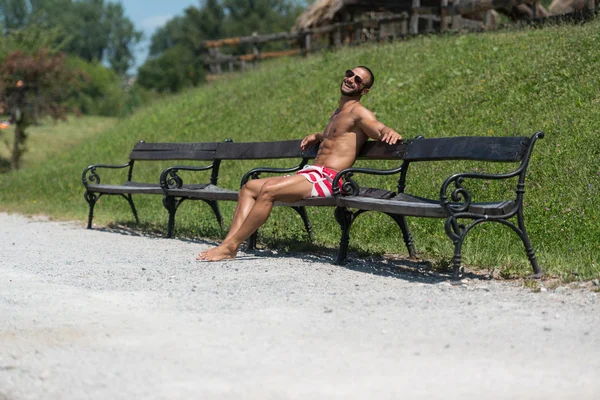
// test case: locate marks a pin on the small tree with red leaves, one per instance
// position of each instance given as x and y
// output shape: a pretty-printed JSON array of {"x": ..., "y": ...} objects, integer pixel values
[{"x": 32, "y": 85}]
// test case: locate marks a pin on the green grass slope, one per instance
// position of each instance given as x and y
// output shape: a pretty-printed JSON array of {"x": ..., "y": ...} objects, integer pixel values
[{"x": 503, "y": 83}]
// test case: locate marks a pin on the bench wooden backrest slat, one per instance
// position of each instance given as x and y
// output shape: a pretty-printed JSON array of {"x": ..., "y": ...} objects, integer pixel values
[
  {"x": 481, "y": 148},
  {"x": 174, "y": 151},
  {"x": 263, "y": 150},
  {"x": 382, "y": 151}
]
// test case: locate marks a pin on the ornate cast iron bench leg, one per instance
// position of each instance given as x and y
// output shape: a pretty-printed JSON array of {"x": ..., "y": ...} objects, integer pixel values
[
  {"x": 91, "y": 199},
  {"x": 252, "y": 241},
  {"x": 130, "y": 201},
  {"x": 171, "y": 204},
  {"x": 214, "y": 205},
  {"x": 344, "y": 217},
  {"x": 457, "y": 233},
  {"x": 406, "y": 236},
  {"x": 307, "y": 225},
  {"x": 537, "y": 271}
]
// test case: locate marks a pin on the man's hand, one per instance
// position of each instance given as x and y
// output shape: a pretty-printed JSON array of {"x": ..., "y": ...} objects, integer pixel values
[
  {"x": 391, "y": 137},
  {"x": 309, "y": 141}
]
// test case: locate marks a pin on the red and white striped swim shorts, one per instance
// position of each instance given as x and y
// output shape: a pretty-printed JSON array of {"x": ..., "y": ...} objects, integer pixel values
[{"x": 321, "y": 178}]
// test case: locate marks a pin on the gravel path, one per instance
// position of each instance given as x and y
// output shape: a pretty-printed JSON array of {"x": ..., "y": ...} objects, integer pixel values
[{"x": 98, "y": 314}]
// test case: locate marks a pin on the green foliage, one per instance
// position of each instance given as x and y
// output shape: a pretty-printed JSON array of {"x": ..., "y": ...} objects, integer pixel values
[
  {"x": 506, "y": 83},
  {"x": 170, "y": 35},
  {"x": 121, "y": 40},
  {"x": 261, "y": 16},
  {"x": 204, "y": 23},
  {"x": 102, "y": 92},
  {"x": 181, "y": 37},
  {"x": 91, "y": 29},
  {"x": 213, "y": 20},
  {"x": 31, "y": 40},
  {"x": 173, "y": 70}
]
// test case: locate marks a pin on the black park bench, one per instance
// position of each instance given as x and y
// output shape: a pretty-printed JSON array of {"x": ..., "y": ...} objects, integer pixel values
[
  {"x": 144, "y": 152},
  {"x": 456, "y": 202}
]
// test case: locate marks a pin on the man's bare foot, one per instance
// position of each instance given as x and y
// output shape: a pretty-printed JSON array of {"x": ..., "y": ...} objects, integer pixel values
[
  {"x": 223, "y": 252},
  {"x": 202, "y": 253}
]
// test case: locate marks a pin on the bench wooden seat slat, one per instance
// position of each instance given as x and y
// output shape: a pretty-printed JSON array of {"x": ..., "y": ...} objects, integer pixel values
[
  {"x": 313, "y": 202},
  {"x": 405, "y": 204},
  {"x": 206, "y": 192},
  {"x": 142, "y": 188},
  {"x": 128, "y": 188}
]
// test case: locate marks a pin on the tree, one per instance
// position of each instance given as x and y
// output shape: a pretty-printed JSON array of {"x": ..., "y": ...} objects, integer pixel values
[
  {"x": 166, "y": 37},
  {"x": 122, "y": 39},
  {"x": 181, "y": 38},
  {"x": 191, "y": 29},
  {"x": 27, "y": 79},
  {"x": 14, "y": 13},
  {"x": 214, "y": 19},
  {"x": 263, "y": 16},
  {"x": 94, "y": 30},
  {"x": 207, "y": 22},
  {"x": 39, "y": 79},
  {"x": 172, "y": 71},
  {"x": 88, "y": 32}
]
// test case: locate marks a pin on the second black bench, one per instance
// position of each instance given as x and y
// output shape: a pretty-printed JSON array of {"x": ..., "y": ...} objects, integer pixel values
[{"x": 456, "y": 200}]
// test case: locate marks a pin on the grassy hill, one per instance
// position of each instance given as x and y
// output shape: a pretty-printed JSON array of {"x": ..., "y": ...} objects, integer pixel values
[{"x": 502, "y": 83}]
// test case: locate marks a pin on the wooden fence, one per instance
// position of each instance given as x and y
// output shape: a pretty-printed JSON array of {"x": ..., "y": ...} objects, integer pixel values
[{"x": 445, "y": 17}]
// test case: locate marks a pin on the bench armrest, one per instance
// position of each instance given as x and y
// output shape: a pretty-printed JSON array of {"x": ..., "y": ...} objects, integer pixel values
[
  {"x": 350, "y": 187},
  {"x": 170, "y": 179},
  {"x": 90, "y": 174},
  {"x": 255, "y": 173},
  {"x": 461, "y": 197}
]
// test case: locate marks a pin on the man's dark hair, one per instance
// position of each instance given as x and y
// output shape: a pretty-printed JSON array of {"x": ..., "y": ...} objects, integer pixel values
[{"x": 372, "y": 80}]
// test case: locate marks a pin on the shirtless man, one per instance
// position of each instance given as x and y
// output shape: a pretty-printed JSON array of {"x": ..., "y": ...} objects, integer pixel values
[{"x": 349, "y": 127}]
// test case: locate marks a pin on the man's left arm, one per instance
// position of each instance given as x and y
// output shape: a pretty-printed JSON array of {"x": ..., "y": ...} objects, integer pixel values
[{"x": 375, "y": 129}]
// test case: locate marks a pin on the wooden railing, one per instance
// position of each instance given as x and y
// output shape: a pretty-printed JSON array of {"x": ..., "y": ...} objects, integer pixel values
[{"x": 445, "y": 17}]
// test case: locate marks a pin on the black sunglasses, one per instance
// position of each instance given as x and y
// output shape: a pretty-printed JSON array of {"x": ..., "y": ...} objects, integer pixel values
[{"x": 357, "y": 79}]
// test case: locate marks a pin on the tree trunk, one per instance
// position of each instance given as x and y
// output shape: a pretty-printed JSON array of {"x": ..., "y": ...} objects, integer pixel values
[
  {"x": 18, "y": 146},
  {"x": 36, "y": 106}
]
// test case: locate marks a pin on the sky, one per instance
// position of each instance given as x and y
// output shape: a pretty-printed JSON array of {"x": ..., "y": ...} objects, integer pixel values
[{"x": 148, "y": 15}]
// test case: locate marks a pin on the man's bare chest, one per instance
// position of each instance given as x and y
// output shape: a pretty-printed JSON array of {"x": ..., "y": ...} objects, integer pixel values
[{"x": 340, "y": 122}]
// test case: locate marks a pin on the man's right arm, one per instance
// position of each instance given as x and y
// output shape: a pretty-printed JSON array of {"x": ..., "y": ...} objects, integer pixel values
[{"x": 375, "y": 129}]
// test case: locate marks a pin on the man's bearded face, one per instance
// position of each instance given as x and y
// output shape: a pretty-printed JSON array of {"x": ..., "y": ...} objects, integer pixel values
[{"x": 352, "y": 84}]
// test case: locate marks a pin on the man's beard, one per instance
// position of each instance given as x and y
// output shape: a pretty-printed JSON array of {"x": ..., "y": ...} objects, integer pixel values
[{"x": 350, "y": 92}]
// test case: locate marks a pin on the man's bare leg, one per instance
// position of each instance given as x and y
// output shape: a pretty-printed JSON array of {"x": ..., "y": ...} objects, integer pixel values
[
  {"x": 248, "y": 196},
  {"x": 290, "y": 189},
  {"x": 246, "y": 200}
]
